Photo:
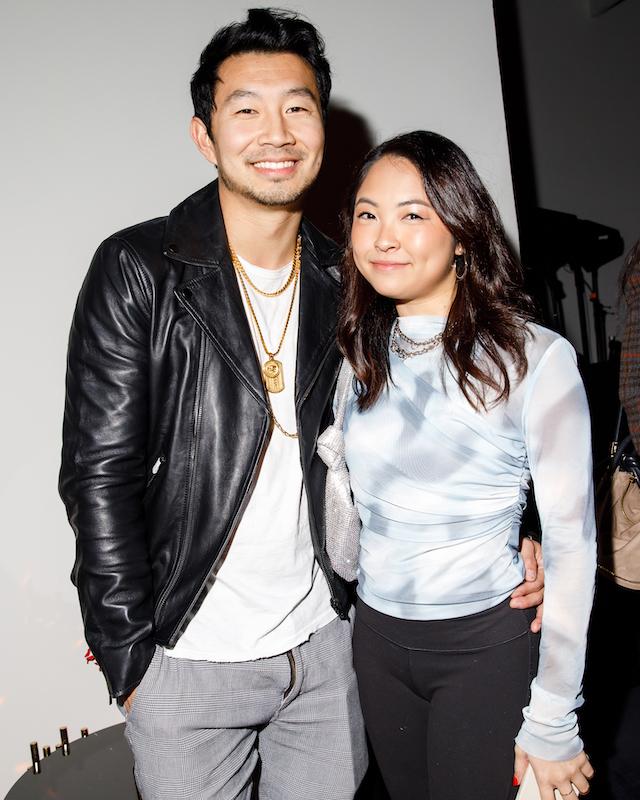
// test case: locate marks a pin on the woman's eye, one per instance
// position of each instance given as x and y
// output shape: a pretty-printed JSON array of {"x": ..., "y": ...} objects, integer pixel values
[
  {"x": 412, "y": 216},
  {"x": 366, "y": 215}
]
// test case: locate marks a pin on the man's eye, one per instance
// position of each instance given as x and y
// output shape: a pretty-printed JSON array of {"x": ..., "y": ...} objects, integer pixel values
[
  {"x": 295, "y": 109},
  {"x": 245, "y": 111}
]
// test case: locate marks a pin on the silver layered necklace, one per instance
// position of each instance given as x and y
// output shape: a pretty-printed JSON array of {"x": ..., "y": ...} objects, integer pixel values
[{"x": 405, "y": 347}]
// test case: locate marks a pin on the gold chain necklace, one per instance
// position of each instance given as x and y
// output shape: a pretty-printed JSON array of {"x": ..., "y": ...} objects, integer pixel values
[
  {"x": 279, "y": 426},
  {"x": 296, "y": 258},
  {"x": 272, "y": 373}
]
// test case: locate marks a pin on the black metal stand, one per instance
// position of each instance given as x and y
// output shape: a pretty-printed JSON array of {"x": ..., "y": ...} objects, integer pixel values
[
  {"x": 582, "y": 312},
  {"x": 599, "y": 319},
  {"x": 99, "y": 767}
]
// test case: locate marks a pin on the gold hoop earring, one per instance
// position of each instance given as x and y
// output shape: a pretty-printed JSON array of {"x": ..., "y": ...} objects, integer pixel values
[{"x": 460, "y": 266}]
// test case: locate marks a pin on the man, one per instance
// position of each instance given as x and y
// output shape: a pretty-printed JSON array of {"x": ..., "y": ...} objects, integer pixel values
[{"x": 201, "y": 368}]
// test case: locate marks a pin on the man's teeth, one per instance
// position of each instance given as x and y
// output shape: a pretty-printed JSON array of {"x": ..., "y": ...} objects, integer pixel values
[{"x": 274, "y": 164}]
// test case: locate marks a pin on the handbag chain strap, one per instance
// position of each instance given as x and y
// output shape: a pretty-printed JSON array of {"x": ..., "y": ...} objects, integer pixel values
[{"x": 343, "y": 390}]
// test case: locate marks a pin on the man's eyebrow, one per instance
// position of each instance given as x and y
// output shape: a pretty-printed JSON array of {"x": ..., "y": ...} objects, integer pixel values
[
  {"x": 239, "y": 94},
  {"x": 300, "y": 91},
  {"x": 303, "y": 91}
]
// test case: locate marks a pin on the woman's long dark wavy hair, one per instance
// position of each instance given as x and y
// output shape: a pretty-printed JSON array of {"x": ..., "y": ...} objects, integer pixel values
[{"x": 490, "y": 305}]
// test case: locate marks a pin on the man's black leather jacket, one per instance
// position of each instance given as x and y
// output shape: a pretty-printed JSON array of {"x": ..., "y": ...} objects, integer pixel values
[{"x": 166, "y": 422}]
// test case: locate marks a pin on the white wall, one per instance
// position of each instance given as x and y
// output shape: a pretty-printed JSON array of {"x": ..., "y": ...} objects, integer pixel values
[
  {"x": 95, "y": 109},
  {"x": 582, "y": 77}
]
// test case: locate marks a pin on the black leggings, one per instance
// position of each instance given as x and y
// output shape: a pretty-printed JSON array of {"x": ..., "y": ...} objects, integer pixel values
[{"x": 442, "y": 700}]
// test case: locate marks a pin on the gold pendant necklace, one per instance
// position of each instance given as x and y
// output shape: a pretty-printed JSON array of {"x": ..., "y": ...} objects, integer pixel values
[
  {"x": 272, "y": 375},
  {"x": 272, "y": 371}
]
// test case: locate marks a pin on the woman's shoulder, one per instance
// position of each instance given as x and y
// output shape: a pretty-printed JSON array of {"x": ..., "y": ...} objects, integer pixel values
[{"x": 543, "y": 343}]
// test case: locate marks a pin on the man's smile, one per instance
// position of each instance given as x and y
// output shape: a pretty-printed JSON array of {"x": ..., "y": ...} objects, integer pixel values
[{"x": 279, "y": 168}]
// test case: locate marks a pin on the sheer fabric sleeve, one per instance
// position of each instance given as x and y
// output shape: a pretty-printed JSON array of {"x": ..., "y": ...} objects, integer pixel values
[{"x": 558, "y": 440}]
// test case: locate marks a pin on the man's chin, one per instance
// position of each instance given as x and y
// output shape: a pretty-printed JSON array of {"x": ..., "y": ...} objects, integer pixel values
[
  {"x": 277, "y": 195},
  {"x": 278, "y": 199},
  {"x": 273, "y": 198}
]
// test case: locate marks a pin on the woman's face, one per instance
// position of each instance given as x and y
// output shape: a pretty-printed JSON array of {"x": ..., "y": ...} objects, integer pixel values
[{"x": 399, "y": 243}]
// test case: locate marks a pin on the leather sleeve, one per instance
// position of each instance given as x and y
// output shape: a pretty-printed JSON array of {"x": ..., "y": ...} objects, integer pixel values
[{"x": 103, "y": 474}]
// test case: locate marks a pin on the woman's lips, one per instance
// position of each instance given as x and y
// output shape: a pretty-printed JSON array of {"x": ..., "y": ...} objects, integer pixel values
[{"x": 386, "y": 266}]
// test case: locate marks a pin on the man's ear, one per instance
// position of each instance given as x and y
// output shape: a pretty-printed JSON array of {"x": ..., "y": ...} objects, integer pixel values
[{"x": 203, "y": 141}]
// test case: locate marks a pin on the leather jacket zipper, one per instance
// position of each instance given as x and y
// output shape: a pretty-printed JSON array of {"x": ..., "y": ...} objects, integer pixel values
[
  {"x": 314, "y": 378},
  {"x": 211, "y": 574},
  {"x": 155, "y": 469},
  {"x": 193, "y": 445},
  {"x": 178, "y": 630},
  {"x": 323, "y": 559},
  {"x": 319, "y": 552}
]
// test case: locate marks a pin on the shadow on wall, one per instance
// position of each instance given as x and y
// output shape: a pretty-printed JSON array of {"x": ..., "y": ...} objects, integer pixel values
[{"x": 348, "y": 141}]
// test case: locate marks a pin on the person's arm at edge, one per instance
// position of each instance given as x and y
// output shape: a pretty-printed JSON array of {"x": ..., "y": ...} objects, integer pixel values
[
  {"x": 103, "y": 473},
  {"x": 629, "y": 384}
]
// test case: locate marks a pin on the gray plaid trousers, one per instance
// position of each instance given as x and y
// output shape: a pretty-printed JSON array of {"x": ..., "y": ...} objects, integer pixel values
[{"x": 199, "y": 729}]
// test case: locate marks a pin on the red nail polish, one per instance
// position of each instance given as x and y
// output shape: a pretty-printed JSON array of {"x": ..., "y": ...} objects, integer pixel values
[{"x": 516, "y": 782}]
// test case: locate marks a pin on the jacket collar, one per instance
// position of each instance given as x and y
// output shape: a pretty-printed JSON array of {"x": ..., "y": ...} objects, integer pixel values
[
  {"x": 195, "y": 231},
  {"x": 195, "y": 235}
]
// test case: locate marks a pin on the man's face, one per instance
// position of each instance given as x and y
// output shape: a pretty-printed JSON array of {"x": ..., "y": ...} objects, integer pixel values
[{"x": 268, "y": 133}]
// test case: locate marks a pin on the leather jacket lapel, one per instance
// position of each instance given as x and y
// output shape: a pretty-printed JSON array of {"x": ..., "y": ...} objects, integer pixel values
[
  {"x": 214, "y": 301},
  {"x": 196, "y": 235},
  {"x": 317, "y": 316}
]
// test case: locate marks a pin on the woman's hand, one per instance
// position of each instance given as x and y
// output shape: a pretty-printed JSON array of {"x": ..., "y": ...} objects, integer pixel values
[{"x": 568, "y": 777}]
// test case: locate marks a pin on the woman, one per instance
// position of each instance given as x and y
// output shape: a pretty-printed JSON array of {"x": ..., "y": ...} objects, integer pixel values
[{"x": 458, "y": 399}]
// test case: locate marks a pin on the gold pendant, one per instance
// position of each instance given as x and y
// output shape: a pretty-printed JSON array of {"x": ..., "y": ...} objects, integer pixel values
[{"x": 272, "y": 375}]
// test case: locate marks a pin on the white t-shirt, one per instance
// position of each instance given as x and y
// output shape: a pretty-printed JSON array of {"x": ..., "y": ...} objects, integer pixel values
[{"x": 270, "y": 594}]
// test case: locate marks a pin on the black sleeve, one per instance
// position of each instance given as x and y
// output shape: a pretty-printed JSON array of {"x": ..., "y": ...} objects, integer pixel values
[{"x": 102, "y": 478}]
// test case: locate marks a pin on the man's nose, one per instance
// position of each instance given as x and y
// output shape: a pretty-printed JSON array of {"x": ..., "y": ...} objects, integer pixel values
[{"x": 276, "y": 131}]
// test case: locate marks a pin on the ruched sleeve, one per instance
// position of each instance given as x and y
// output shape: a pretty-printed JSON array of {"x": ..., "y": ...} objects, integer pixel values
[{"x": 557, "y": 435}]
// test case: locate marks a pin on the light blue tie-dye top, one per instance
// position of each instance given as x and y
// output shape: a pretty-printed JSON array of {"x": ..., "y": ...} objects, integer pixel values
[{"x": 440, "y": 488}]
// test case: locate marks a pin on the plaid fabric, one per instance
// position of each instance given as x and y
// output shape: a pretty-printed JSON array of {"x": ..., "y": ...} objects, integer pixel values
[
  {"x": 197, "y": 728},
  {"x": 630, "y": 358}
]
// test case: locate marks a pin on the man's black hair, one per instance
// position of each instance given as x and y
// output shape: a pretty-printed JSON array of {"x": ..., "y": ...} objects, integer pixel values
[{"x": 265, "y": 30}]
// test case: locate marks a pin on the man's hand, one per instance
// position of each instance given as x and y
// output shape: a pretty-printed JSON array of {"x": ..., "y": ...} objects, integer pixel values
[
  {"x": 530, "y": 593},
  {"x": 128, "y": 701}
]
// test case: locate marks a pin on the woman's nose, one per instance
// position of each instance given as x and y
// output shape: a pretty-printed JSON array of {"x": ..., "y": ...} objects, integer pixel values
[{"x": 386, "y": 240}]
